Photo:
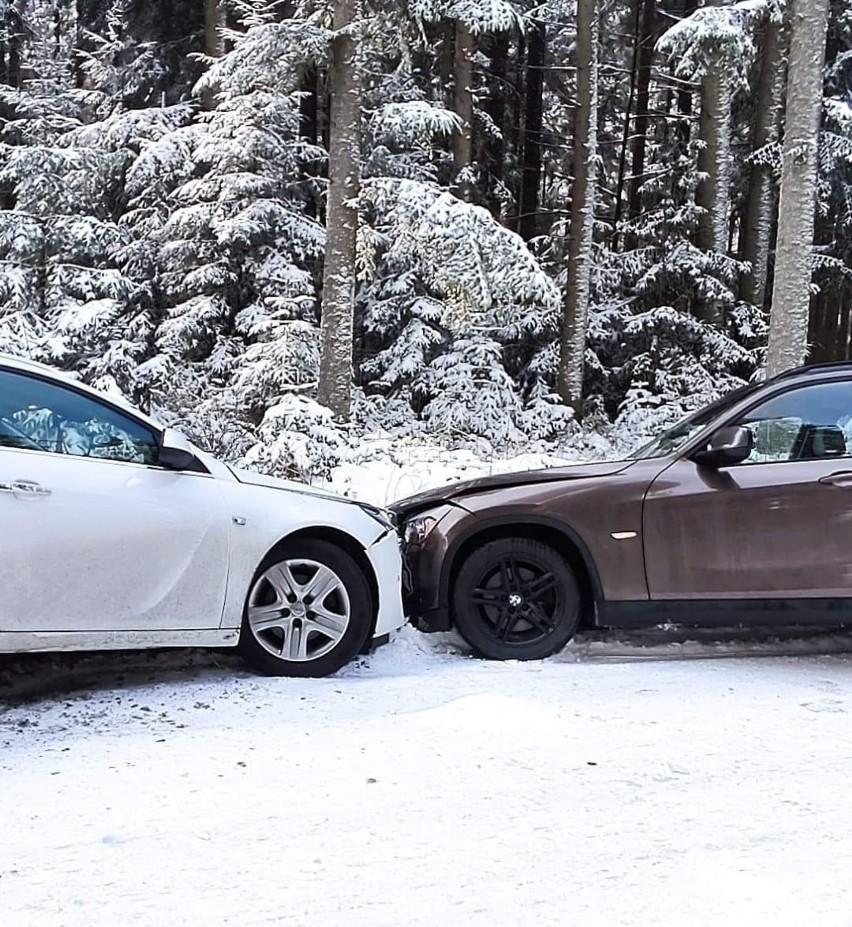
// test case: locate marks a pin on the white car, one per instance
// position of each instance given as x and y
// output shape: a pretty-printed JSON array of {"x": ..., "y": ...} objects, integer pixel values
[{"x": 116, "y": 534}]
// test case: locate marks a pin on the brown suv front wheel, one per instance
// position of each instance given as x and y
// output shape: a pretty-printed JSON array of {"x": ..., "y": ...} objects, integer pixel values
[{"x": 516, "y": 599}]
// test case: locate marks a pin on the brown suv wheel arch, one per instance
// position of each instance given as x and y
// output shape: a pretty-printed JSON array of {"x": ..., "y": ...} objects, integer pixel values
[{"x": 558, "y": 536}]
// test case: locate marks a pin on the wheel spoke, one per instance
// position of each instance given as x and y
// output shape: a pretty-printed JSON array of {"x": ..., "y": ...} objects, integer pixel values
[
  {"x": 323, "y": 583},
  {"x": 266, "y": 617},
  {"x": 507, "y": 621},
  {"x": 538, "y": 587},
  {"x": 327, "y": 623},
  {"x": 482, "y": 596},
  {"x": 536, "y": 617},
  {"x": 280, "y": 577},
  {"x": 508, "y": 574},
  {"x": 296, "y": 642}
]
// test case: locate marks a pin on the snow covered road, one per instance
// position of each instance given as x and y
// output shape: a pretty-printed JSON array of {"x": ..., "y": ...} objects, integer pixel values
[{"x": 427, "y": 788}]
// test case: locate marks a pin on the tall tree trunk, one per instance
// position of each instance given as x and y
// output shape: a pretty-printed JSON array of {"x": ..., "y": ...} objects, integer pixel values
[
  {"x": 446, "y": 60},
  {"x": 494, "y": 148},
  {"x": 644, "y": 67},
  {"x": 13, "y": 28},
  {"x": 516, "y": 88},
  {"x": 214, "y": 42},
  {"x": 579, "y": 257},
  {"x": 628, "y": 122},
  {"x": 842, "y": 337},
  {"x": 309, "y": 124},
  {"x": 463, "y": 107},
  {"x": 309, "y": 106},
  {"x": 12, "y": 32},
  {"x": 713, "y": 194},
  {"x": 760, "y": 205},
  {"x": 336, "y": 336},
  {"x": 214, "y": 22},
  {"x": 684, "y": 94},
  {"x": 791, "y": 297},
  {"x": 531, "y": 150}
]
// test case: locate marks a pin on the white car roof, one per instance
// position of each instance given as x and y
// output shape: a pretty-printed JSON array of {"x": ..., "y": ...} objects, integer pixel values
[{"x": 28, "y": 366}]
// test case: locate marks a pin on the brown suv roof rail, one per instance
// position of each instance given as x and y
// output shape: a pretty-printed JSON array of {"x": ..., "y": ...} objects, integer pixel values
[{"x": 825, "y": 367}]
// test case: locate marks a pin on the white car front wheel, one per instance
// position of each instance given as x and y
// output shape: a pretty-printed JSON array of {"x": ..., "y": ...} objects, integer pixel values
[{"x": 309, "y": 611}]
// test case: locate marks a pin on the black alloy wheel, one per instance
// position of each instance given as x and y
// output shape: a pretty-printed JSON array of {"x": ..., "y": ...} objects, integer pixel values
[{"x": 516, "y": 599}]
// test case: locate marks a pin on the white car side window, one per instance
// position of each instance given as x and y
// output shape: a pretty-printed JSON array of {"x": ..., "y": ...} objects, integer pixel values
[{"x": 36, "y": 414}]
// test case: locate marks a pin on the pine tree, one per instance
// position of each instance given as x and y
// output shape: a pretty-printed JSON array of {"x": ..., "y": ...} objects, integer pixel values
[
  {"x": 580, "y": 257},
  {"x": 791, "y": 296},
  {"x": 335, "y": 374}
]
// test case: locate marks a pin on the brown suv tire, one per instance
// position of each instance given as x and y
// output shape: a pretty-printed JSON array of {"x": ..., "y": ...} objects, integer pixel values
[{"x": 516, "y": 599}]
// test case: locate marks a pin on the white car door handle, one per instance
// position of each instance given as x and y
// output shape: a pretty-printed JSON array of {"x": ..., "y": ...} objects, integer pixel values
[{"x": 24, "y": 488}]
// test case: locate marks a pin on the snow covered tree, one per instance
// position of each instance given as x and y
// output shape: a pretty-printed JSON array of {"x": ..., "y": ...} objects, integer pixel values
[
  {"x": 62, "y": 243},
  {"x": 237, "y": 253},
  {"x": 445, "y": 286},
  {"x": 714, "y": 45},
  {"x": 788, "y": 329},
  {"x": 580, "y": 243},
  {"x": 335, "y": 375}
]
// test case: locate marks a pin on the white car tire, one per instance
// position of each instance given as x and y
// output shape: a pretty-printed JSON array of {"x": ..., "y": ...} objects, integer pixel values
[{"x": 308, "y": 613}]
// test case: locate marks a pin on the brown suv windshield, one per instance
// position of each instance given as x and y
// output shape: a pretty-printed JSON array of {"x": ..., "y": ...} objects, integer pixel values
[{"x": 673, "y": 439}]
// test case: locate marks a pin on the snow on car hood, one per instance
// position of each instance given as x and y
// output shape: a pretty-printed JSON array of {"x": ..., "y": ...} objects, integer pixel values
[{"x": 433, "y": 497}]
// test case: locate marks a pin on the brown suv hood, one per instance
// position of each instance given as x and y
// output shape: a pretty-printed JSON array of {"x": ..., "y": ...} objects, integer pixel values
[{"x": 453, "y": 492}]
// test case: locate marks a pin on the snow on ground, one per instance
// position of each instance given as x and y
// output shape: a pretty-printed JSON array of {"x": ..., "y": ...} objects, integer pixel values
[{"x": 671, "y": 783}]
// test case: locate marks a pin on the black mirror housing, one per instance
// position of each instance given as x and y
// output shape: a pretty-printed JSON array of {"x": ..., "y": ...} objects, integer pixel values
[
  {"x": 173, "y": 458},
  {"x": 727, "y": 447},
  {"x": 176, "y": 453}
]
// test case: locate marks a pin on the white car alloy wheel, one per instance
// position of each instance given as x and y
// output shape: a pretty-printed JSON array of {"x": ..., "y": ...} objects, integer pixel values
[
  {"x": 307, "y": 614},
  {"x": 299, "y": 610}
]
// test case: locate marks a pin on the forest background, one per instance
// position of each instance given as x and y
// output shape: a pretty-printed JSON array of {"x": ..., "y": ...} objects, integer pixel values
[{"x": 306, "y": 232}]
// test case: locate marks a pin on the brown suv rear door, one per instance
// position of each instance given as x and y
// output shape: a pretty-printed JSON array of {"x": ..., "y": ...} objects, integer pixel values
[{"x": 778, "y": 525}]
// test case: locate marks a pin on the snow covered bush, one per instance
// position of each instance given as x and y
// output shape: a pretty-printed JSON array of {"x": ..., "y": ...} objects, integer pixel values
[{"x": 298, "y": 439}]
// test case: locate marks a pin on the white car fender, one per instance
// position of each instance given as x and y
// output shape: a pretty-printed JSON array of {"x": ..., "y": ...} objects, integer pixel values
[{"x": 261, "y": 519}]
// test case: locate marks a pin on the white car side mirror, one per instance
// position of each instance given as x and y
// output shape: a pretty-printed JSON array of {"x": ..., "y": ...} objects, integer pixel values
[{"x": 176, "y": 453}]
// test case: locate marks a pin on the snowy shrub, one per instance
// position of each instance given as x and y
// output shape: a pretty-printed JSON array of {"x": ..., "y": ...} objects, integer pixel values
[
  {"x": 544, "y": 418},
  {"x": 298, "y": 439},
  {"x": 472, "y": 394},
  {"x": 455, "y": 295},
  {"x": 668, "y": 356}
]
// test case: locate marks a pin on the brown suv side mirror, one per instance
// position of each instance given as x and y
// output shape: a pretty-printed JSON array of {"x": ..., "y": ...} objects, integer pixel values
[{"x": 728, "y": 446}]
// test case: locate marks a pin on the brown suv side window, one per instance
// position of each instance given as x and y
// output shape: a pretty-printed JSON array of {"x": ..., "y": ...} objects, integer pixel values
[{"x": 807, "y": 423}]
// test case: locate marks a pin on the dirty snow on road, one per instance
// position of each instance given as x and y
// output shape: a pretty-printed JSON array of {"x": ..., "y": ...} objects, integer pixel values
[{"x": 671, "y": 784}]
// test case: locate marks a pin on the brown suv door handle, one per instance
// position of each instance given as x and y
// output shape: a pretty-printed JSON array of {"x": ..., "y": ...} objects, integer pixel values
[{"x": 842, "y": 480}]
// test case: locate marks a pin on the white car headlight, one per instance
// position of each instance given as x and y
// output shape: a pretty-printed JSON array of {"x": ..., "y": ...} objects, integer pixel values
[{"x": 382, "y": 516}]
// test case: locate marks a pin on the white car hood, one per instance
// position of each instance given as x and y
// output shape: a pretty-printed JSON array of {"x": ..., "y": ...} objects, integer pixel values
[
  {"x": 249, "y": 478},
  {"x": 258, "y": 479}
]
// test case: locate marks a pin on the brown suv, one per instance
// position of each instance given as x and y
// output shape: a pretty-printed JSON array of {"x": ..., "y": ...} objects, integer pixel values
[{"x": 739, "y": 515}]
